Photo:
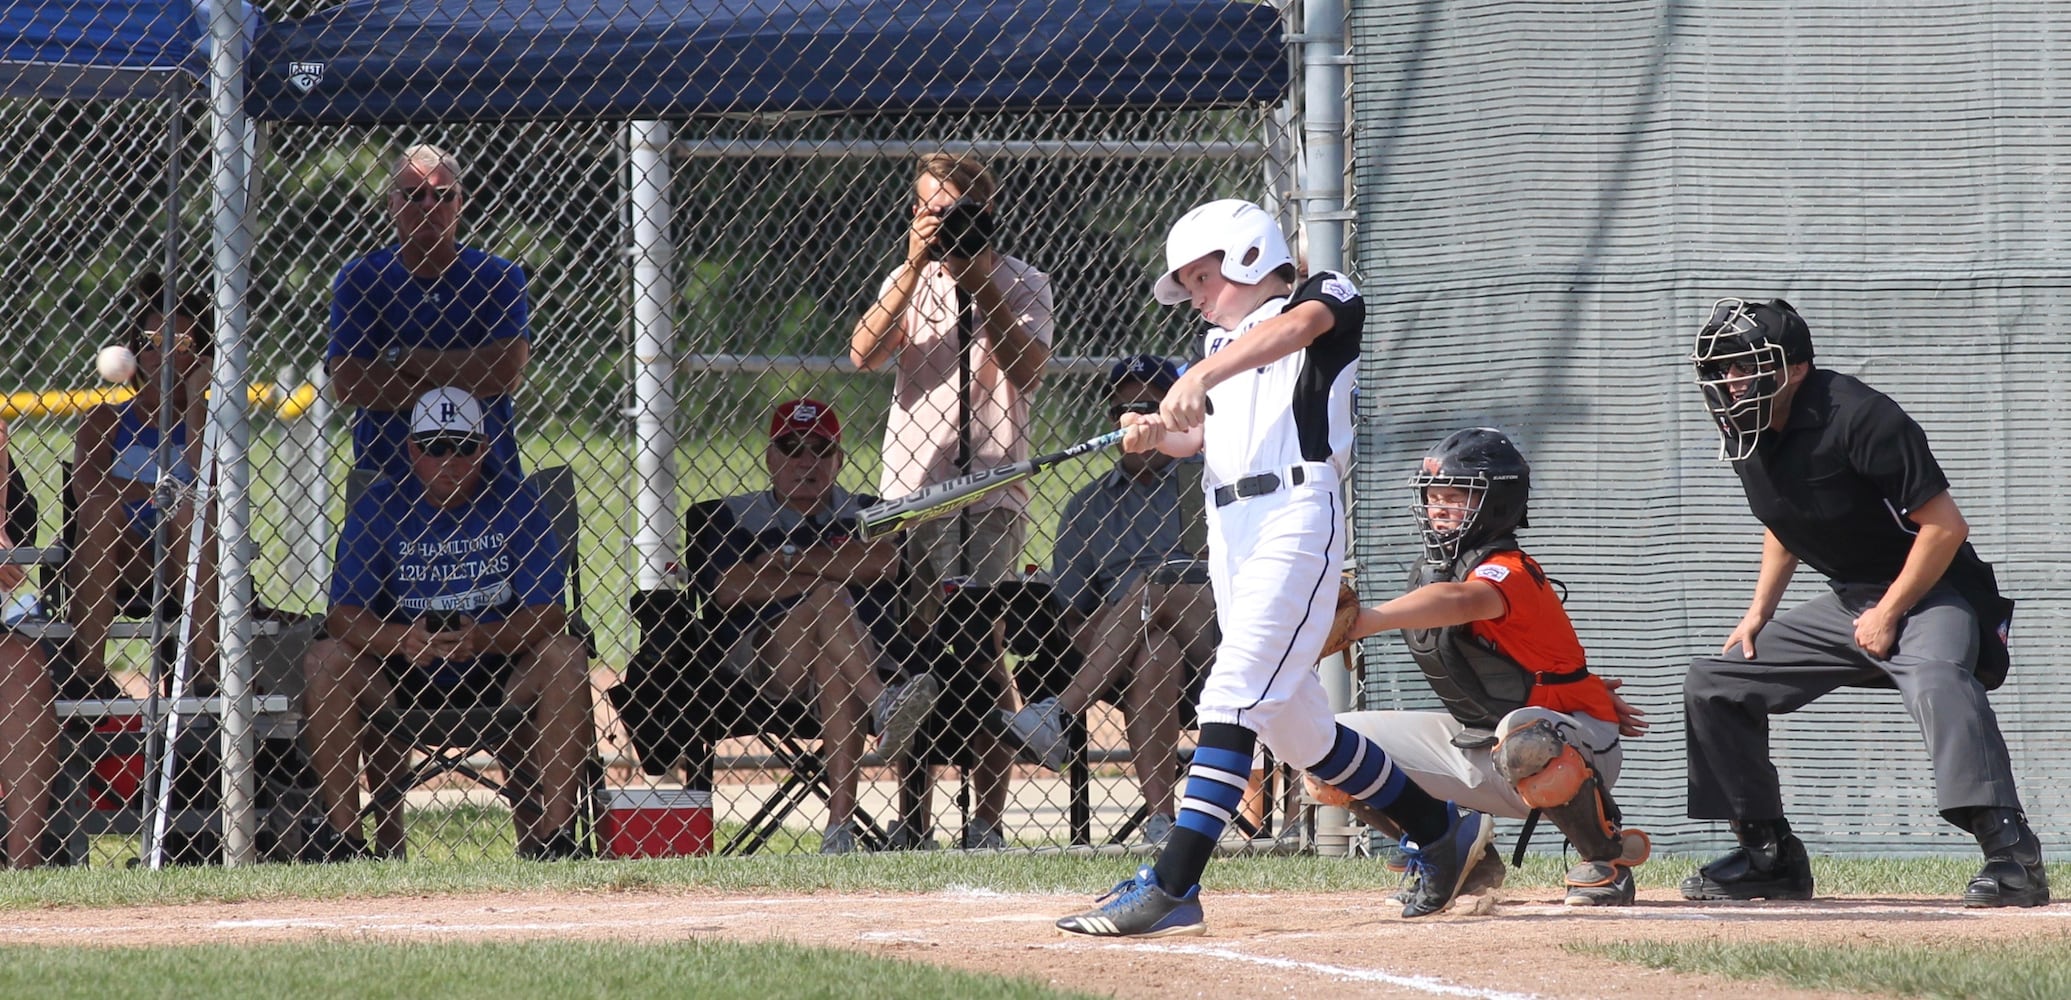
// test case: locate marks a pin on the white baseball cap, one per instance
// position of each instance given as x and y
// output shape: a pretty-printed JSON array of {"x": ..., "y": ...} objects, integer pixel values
[{"x": 446, "y": 411}]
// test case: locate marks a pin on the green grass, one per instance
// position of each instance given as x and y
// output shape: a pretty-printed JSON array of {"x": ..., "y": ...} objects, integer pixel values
[
  {"x": 1965, "y": 970},
  {"x": 712, "y": 970},
  {"x": 490, "y": 869}
]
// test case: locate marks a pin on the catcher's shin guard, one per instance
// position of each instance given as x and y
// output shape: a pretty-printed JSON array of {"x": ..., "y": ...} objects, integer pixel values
[{"x": 1552, "y": 776}]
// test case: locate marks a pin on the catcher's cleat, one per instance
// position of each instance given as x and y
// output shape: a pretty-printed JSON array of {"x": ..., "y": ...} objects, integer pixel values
[
  {"x": 1139, "y": 907},
  {"x": 1770, "y": 863},
  {"x": 1600, "y": 883},
  {"x": 1442, "y": 868}
]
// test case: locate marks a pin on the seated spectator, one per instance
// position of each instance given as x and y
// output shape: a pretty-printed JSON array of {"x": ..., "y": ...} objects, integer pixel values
[
  {"x": 807, "y": 610},
  {"x": 116, "y": 463},
  {"x": 448, "y": 590},
  {"x": 28, "y": 725},
  {"x": 1144, "y": 644}
]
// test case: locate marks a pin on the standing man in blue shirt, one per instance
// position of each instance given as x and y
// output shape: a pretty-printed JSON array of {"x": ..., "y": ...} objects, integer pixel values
[
  {"x": 447, "y": 589},
  {"x": 424, "y": 313}
]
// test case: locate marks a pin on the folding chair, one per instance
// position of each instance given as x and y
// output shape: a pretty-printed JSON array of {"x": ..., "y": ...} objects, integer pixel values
[
  {"x": 448, "y": 737},
  {"x": 676, "y": 704}
]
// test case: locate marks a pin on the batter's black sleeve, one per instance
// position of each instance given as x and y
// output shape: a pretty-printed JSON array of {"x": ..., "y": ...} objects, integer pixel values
[{"x": 1347, "y": 309}]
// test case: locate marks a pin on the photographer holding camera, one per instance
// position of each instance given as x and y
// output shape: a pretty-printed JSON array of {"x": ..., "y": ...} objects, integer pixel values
[{"x": 968, "y": 331}]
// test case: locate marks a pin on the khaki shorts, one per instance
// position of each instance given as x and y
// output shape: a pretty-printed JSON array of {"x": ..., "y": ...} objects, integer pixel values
[{"x": 992, "y": 554}]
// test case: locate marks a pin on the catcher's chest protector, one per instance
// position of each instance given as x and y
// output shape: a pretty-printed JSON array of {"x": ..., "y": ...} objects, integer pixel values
[{"x": 1478, "y": 684}]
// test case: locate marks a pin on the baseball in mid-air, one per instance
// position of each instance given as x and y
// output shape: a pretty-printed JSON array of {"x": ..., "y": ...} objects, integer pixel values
[{"x": 115, "y": 363}]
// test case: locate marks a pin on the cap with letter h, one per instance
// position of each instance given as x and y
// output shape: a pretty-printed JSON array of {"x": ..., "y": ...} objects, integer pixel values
[{"x": 446, "y": 412}]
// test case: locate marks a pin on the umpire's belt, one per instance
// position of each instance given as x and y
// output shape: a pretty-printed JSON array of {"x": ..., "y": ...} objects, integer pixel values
[{"x": 1265, "y": 482}]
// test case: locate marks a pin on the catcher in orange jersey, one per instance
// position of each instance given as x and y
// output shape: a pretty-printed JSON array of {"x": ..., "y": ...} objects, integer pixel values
[{"x": 1528, "y": 726}]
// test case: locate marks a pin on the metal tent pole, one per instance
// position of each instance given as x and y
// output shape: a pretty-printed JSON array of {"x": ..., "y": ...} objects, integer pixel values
[
  {"x": 654, "y": 353},
  {"x": 156, "y": 747},
  {"x": 231, "y": 241},
  {"x": 1321, "y": 194}
]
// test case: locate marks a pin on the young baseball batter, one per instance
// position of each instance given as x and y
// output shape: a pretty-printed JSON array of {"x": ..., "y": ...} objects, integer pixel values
[{"x": 1269, "y": 406}]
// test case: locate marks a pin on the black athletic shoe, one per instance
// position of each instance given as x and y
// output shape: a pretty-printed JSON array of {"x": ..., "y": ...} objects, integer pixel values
[
  {"x": 1442, "y": 868},
  {"x": 1485, "y": 877},
  {"x": 322, "y": 844},
  {"x": 2013, "y": 874},
  {"x": 1753, "y": 873},
  {"x": 561, "y": 845}
]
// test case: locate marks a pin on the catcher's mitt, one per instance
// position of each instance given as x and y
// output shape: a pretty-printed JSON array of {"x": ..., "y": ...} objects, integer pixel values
[{"x": 1342, "y": 622}]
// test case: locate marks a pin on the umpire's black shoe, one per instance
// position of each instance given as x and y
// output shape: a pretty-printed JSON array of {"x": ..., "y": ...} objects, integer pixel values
[
  {"x": 1770, "y": 863},
  {"x": 2013, "y": 874}
]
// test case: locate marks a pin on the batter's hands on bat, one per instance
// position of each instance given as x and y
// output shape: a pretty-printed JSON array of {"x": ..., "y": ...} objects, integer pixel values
[
  {"x": 1876, "y": 631},
  {"x": 1142, "y": 432},
  {"x": 1631, "y": 721},
  {"x": 1186, "y": 403},
  {"x": 1744, "y": 635}
]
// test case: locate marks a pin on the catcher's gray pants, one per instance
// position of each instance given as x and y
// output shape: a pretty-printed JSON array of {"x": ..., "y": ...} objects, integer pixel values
[
  {"x": 1421, "y": 745},
  {"x": 1810, "y": 650}
]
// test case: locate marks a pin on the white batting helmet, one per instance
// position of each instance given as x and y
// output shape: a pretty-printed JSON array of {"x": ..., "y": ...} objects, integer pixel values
[{"x": 1248, "y": 239}]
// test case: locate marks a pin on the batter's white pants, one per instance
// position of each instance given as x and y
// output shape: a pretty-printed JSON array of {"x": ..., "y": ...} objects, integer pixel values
[{"x": 1274, "y": 563}]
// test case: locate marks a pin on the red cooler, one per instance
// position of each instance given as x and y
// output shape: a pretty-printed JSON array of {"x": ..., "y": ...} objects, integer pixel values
[{"x": 657, "y": 823}]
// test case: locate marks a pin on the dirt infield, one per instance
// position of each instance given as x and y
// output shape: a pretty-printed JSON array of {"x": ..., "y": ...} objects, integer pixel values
[{"x": 1259, "y": 944}]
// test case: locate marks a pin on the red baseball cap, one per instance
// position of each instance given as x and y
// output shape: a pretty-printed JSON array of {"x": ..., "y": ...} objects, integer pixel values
[{"x": 805, "y": 416}]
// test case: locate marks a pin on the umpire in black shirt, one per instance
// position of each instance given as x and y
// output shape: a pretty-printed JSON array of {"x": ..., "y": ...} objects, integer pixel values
[{"x": 1843, "y": 481}]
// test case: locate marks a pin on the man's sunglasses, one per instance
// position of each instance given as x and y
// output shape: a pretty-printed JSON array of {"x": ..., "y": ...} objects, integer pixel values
[
  {"x": 796, "y": 445},
  {"x": 422, "y": 195},
  {"x": 441, "y": 447},
  {"x": 1143, "y": 406}
]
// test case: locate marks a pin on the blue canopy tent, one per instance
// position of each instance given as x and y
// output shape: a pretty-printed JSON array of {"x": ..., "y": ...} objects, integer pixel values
[
  {"x": 398, "y": 61},
  {"x": 104, "y": 50}
]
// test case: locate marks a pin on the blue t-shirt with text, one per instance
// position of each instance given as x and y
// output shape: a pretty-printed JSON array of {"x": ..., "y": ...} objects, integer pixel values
[
  {"x": 376, "y": 304},
  {"x": 401, "y": 558}
]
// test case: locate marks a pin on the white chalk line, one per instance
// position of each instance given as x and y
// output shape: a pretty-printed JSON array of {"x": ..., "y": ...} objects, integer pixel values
[{"x": 1422, "y": 984}]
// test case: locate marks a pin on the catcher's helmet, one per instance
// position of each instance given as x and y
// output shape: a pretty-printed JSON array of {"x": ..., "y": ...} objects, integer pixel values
[
  {"x": 1249, "y": 240},
  {"x": 1498, "y": 481},
  {"x": 1742, "y": 356}
]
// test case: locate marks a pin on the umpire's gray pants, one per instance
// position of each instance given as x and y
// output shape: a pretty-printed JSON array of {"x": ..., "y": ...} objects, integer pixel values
[{"x": 1810, "y": 650}]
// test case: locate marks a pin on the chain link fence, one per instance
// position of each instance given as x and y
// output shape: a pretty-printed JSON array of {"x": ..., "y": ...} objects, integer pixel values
[{"x": 646, "y": 275}]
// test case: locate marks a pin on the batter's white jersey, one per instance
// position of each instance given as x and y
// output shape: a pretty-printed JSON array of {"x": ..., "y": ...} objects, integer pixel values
[
  {"x": 1273, "y": 556},
  {"x": 1297, "y": 409}
]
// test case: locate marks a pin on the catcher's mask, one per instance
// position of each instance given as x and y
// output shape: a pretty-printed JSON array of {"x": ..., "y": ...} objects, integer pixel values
[
  {"x": 1743, "y": 358},
  {"x": 1498, "y": 481}
]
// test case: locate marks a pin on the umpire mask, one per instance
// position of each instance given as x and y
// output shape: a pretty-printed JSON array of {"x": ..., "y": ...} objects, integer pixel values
[
  {"x": 1498, "y": 485},
  {"x": 1742, "y": 357}
]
